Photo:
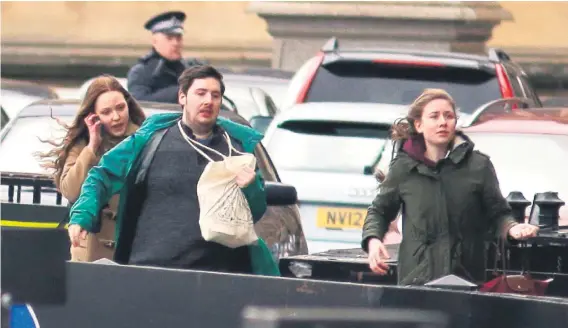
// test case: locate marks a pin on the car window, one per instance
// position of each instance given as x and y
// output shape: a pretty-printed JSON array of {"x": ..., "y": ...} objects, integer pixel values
[
  {"x": 297, "y": 83},
  {"x": 326, "y": 146},
  {"x": 241, "y": 96},
  {"x": 265, "y": 165},
  {"x": 270, "y": 106},
  {"x": 276, "y": 88},
  {"x": 527, "y": 86},
  {"x": 377, "y": 83},
  {"x": 4, "y": 119},
  {"x": 516, "y": 85},
  {"x": 23, "y": 140}
]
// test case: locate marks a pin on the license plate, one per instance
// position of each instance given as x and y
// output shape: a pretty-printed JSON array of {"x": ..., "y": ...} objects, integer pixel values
[{"x": 340, "y": 218}]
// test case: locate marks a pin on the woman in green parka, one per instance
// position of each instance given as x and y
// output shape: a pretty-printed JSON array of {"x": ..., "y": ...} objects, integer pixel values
[{"x": 449, "y": 195}]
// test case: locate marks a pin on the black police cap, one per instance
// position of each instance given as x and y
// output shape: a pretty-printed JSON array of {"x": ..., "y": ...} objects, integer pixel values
[{"x": 170, "y": 22}]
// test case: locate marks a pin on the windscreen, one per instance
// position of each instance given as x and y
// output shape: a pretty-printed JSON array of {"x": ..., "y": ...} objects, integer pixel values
[
  {"x": 370, "y": 82},
  {"x": 22, "y": 141},
  {"x": 324, "y": 146},
  {"x": 529, "y": 163}
]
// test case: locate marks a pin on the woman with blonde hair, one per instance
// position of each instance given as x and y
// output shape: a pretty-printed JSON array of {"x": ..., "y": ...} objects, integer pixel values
[
  {"x": 107, "y": 115},
  {"x": 449, "y": 195}
]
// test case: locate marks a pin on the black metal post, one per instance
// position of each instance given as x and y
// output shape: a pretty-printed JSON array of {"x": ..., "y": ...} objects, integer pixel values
[
  {"x": 518, "y": 204},
  {"x": 11, "y": 193},
  {"x": 549, "y": 207}
]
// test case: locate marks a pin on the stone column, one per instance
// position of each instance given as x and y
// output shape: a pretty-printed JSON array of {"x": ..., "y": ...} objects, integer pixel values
[{"x": 300, "y": 29}]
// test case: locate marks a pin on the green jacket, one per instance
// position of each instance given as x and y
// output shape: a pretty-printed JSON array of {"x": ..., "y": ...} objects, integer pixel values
[
  {"x": 450, "y": 210},
  {"x": 118, "y": 169}
]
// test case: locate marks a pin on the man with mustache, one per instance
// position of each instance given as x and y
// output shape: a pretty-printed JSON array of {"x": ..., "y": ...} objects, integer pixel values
[
  {"x": 156, "y": 171},
  {"x": 155, "y": 76}
]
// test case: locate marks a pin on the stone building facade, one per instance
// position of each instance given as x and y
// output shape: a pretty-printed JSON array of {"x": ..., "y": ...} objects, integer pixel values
[{"x": 48, "y": 38}]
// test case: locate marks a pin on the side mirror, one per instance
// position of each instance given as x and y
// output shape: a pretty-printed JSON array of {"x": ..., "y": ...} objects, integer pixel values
[
  {"x": 280, "y": 194},
  {"x": 260, "y": 123}
]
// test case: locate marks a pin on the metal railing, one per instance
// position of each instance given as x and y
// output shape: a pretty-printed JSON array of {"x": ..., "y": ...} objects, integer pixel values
[{"x": 17, "y": 183}]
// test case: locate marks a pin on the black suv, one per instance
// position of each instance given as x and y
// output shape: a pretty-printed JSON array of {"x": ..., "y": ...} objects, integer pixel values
[{"x": 398, "y": 76}]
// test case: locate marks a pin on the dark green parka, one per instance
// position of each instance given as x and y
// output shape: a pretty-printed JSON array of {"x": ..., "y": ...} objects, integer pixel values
[{"x": 449, "y": 207}]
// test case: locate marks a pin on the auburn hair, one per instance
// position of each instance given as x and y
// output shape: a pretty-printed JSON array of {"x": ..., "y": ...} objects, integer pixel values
[{"x": 78, "y": 131}]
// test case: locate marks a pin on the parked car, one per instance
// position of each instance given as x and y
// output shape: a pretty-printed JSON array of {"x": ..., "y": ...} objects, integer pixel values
[
  {"x": 253, "y": 92},
  {"x": 273, "y": 82},
  {"x": 529, "y": 149},
  {"x": 15, "y": 95},
  {"x": 4, "y": 118},
  {"x": 280, "y": 227},
  {"x": 251, "y": 101},
  {"x": 398, "y": 76},
  {"x": 326, "y": 151},
  {"x": 557, "y": 101}
]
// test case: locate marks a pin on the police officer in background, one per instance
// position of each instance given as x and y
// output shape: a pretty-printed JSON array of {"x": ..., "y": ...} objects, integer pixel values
[{"x": 155, "y": 77}]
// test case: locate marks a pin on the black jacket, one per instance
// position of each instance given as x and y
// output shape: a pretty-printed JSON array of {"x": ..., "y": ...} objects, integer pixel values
[{"x": 155, "y": 78}]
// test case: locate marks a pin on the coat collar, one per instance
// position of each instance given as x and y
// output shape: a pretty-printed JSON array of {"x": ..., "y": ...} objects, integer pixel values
[
  {"x": 109, "y": 141},
  {"x": 248, "y": 136},
  {"x": 415, "y": 148}
]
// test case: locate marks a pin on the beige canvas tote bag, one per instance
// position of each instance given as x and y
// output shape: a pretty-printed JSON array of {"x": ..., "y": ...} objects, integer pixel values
[{"x": 225, "y": 216}]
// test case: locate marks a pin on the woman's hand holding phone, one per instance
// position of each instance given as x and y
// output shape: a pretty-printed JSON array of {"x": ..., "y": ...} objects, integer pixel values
[{"x": 94, "y": 126}]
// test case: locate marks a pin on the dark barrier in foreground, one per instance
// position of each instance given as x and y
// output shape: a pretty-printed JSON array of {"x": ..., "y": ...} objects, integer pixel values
[
  {"x": 33, "y": 268},
  {"x": 122, "y": 296},
  {"x": 34, "y": 213},
  {"x": 267, "y": 317}
]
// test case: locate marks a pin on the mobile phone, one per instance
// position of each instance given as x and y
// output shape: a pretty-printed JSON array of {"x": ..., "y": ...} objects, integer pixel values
[{"x": 102, "y": 127}]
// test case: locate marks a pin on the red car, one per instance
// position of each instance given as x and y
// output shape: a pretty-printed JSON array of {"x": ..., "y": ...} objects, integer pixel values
[
  {"x": 398, "y": 76},
  {"x": 529, "y": 149}
]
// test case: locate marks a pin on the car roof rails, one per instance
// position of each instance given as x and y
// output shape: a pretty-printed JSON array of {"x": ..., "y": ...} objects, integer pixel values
[
  {"x": 498, "y": 55},
  {"x": 332, "y": 45},
  {"x": 506, "y": 109}
]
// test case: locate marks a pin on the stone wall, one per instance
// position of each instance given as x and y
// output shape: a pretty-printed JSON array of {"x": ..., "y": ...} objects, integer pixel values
[
  {"x": 299, "y": 29},
  {"x": 120, "y": 23},
  {"x": 536, "y": 24},
  {"x": 90, "y": 37},
  {"x": 110, "y": 35}
]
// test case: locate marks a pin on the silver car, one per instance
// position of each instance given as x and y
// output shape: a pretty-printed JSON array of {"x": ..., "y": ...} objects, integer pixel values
[
  {"x": 15, "y": 95},
  {"x": 248, "y": 95},
  {"x": 24, "y": 178},
  {"x": 328, "y": 151}
]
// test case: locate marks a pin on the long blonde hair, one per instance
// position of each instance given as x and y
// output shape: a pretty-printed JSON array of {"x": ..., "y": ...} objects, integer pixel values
[{"x": 78, "y": 131}]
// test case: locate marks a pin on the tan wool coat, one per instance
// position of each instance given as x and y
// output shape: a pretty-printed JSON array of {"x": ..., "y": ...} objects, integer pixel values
[{"x": 77, "y": 165}]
